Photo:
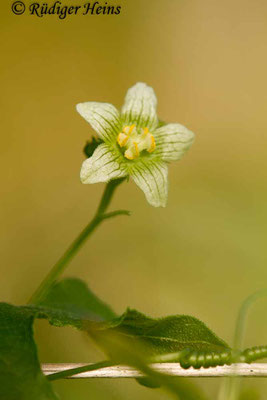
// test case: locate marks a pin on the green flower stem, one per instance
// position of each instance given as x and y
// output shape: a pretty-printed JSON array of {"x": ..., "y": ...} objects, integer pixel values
[
  {"x": 74, "y": 371},
  {"x": 62, "y": 263},
  {"x": 231, "y": 388}
]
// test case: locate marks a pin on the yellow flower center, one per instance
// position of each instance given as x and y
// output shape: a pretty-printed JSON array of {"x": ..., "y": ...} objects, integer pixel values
[{"x": 135, "y": 142}]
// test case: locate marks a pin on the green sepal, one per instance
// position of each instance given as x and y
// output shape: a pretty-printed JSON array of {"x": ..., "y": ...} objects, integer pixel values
[
  {"x": 161, "y": 123},
  {"x": 91, "y": 145}
]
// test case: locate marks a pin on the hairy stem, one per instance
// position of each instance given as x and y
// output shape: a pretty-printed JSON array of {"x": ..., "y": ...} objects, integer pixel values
[{"x": 58, "y": 269}]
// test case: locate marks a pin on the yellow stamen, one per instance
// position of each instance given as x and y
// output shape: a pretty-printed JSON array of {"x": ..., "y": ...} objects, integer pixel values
[
  {"x": 136, "y": 150},
  {"x": 122, "y": 139},
  {"x": 128, "y": 156},
  {"x": 135, "y": 140},
  {"x": 128, "y": 129},
  {"x": 131, "y": 128},
  {"x": 152, "y": 145}
]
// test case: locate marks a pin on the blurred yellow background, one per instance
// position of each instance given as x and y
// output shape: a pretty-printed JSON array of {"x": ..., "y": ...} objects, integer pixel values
[{"x": 204, "y": 253}]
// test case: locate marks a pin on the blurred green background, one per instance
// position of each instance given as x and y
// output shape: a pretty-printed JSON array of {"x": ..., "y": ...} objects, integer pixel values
[{"x": 206, "y": 251}]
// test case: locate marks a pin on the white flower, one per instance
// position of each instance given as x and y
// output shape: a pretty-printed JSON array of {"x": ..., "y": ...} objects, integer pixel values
[{"x": 134, "y": 143}]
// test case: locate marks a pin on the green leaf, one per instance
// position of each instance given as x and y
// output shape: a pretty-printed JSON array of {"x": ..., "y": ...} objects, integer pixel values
[
  {"x": 123, "y": 350},
  {"x": 20, "y": 374},
  {"x": 132, "y": 338},
  {"x": 72, "y": 295},
  {"x": 70, "y": 302},
  {"x": 165, "y": 335}
]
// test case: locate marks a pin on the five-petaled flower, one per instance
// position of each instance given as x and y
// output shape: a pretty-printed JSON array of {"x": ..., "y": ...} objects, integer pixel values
[{"x": 134, "y": 143}]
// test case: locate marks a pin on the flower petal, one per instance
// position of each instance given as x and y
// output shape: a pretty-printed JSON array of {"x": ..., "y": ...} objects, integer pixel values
[
  {"x": 172, "y": 141},
  {"x": 103, "y": 166},
  {"x": 140, "y": 106},
  {"x": 152, "y": 178},
  {"x": 104, "y": 118}
]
